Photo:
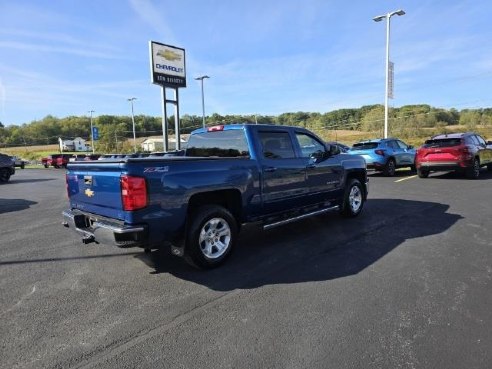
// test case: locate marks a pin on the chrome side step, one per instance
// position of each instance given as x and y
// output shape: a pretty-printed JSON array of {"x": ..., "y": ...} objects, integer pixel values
[{"x": 303, "y": 216}]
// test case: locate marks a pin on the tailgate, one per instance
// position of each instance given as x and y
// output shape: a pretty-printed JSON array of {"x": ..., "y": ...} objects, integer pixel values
[
  {"x": 441, "y": 154},
  {"x": 95, "y": 188}
]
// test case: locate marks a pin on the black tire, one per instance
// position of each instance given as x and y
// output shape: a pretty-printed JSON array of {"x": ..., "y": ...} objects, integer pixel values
[
  {"x": 422, "y": 173},
  {"x": 389, "y": 168},
  {"x": 211, "y": 237},
  {"x": 4, "y": 175},
  {"x": 489, "y": 167},
  {"x": 22, "y": 165},
  {"x": 353, "y": 199},
  {"x": 473, "y": 172},
  {"x": 46, "y": 165}
]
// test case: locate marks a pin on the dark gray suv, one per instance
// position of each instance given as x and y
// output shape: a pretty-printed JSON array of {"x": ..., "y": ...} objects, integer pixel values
[{"x": 7, "y": 168}]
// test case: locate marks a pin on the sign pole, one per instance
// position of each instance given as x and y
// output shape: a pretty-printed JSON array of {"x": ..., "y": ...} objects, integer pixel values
[
  {"x": 177, "y": 134},
  {"x": 165, "y": 138}
]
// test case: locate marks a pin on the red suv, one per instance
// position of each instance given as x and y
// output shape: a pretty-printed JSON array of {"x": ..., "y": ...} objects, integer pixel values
[{"x": 464, "y": 152}]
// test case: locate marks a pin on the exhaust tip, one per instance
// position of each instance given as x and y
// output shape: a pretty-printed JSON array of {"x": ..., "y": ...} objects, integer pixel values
[{"x": 88, "y": 239}]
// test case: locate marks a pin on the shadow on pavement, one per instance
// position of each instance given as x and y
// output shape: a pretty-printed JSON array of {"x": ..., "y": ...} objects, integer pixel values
[
  {"x": 14, "y": 180},
  {"x": 317, "y": 249},
  {"x": 10, "y": 205},
  {"x": 484, "y": 175}
]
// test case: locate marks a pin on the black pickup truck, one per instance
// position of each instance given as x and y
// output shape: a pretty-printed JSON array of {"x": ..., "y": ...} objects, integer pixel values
[{"x": 7, "y": 168}]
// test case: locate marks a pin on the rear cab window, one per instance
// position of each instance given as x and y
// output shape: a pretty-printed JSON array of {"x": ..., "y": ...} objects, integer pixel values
[{"x": 227, "y": 143}]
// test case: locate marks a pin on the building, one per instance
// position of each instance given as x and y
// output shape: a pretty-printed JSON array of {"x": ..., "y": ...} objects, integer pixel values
[
  {"x": 153, "y": 144},
  {"x": 77, "y": 144}
]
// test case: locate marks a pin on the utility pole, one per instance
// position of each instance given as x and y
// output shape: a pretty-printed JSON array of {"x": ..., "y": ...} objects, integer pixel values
[{"x": 92, "y": 132}]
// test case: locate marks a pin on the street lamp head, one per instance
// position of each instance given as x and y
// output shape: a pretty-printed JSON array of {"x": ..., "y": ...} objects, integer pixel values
[
  {"x": 132, "y": 99},
  {"x": 379, "y": 18},
  {"x": 399, "y": 12},
  {"x": 201, "y": 78}
]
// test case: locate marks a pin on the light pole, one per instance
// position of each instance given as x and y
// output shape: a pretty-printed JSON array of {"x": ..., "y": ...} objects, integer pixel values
[
  {"x": 379, "y": 18},
  {"x": 131, "y": 99},
  {"x": 201, "y": 78},
  {"x": 92, "y": 132}
]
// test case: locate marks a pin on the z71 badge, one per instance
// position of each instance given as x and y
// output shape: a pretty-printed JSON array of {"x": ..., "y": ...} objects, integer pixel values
[{"x": 156, "y": 169}]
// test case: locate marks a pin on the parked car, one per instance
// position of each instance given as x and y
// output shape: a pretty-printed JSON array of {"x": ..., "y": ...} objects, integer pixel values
[
  {"x": 228, "y": 175},
  {"x": 18, "y": 162},
  {"x": 84, "y": 157},
  {"x": 463, "y": 152},
  {"x": 7, "y": 168},
  {"x": 56, "y": 160},
  {"x": 385, "y": 155}
]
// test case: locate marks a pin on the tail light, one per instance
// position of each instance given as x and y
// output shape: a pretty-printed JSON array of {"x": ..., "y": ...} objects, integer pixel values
[
  {"x": 66, "y": 185},
  {"x": 379, "y": 152},
  {"x": 133, "y": 192},
  {"x": 73, "y": 179}
]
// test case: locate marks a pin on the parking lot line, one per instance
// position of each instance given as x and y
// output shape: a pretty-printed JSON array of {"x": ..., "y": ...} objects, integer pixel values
[{"x": 404, "y": 179}]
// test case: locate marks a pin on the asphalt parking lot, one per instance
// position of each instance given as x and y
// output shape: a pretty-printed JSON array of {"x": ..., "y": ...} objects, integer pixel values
[{"x": 408, "y": 284}]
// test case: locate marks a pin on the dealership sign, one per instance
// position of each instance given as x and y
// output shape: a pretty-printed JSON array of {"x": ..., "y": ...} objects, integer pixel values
[{"x": 167, "y": 65}]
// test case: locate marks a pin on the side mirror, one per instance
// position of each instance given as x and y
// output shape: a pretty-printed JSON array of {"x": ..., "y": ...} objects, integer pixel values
[
  {"x": 318, "y": 156},
  {"x": 334, "y": 150}
]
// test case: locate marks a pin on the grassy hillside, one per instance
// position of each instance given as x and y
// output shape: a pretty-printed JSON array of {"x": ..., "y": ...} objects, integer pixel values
[{"x": 348, "y": 137}]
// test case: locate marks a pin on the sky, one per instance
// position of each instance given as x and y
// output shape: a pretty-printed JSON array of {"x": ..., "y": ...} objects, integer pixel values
[{"x": 67, "y": 57}]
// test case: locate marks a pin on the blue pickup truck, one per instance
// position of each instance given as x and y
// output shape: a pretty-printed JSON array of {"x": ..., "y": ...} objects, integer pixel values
[{"x": 196, "y": 201}]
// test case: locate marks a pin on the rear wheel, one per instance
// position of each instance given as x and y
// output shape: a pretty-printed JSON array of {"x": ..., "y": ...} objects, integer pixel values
[
  {"x": 473, "y": 172},
  {"x": 489, "y": 167},
  {"x": 210, "y": 237},
  {"x": 4, "y": 175},
  {"x": 353, "y": 200},
  {"x": 422, "y": 173},
  {"x": 389, "y": 168}
]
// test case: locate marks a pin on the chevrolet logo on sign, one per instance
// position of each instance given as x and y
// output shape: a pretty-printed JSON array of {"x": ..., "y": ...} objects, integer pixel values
[
  {"x": 169, "y": 55},
  {"x": 89, "y": 192}
]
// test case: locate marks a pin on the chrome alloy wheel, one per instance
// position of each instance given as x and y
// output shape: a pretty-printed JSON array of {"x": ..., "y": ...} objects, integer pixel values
[
  {"x": 355, "y": 199},
  {"x": 215, "y": 238}
]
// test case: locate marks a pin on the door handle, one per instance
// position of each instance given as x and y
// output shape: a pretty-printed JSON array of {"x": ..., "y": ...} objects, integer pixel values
[{"x": 269, "y": 169}]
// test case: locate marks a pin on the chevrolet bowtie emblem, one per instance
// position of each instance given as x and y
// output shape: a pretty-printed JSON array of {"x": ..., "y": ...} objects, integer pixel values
[{"x": 89, "y": 192}]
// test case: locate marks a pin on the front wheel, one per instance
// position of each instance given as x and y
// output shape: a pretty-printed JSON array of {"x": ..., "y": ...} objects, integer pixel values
[
  {"x": 4, "y": 175},
  {"x": 211, "y": 236},
  {"x": 353, "y": 200}
]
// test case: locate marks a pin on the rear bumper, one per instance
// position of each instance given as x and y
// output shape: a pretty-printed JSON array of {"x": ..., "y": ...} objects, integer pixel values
[
  {"x": 442, "y": 166},
  {"x": 94, "y": 228}
]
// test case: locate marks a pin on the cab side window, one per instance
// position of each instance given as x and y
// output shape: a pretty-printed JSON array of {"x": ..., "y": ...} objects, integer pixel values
[
  {"x": 309, "y": 144},
  {"x": 276, "y": 145}
]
